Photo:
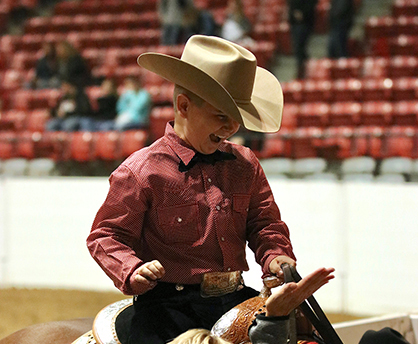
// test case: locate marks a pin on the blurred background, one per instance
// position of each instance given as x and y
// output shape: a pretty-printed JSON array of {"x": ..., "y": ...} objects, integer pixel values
[{"x": 343, "y": 167}]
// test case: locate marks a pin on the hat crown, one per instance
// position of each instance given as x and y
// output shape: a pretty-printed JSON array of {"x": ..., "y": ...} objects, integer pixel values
[{"x": 231, "y": 65}]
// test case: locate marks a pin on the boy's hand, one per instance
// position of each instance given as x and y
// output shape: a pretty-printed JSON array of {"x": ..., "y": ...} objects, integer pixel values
[
  {"x": 146, "y": 276},
  {"x": 292, "y": 294},
  {"x": 275, "y": 266}
]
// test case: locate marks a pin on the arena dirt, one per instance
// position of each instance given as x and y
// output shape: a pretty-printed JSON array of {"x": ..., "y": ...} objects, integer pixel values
[{"x": 20, "y": 308}]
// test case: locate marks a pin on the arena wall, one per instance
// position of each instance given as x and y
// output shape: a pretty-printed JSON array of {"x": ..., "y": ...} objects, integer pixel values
[{"x": 367, "y": 231}]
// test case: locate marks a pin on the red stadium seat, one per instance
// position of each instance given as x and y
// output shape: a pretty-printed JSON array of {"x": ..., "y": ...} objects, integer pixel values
[
  {"x": 405, "y": 113},
  {"x": 12, "y": 79},
  {"x": 344, "y": 68},
  {"x": 342, "y": 139},
  {"x": 406, "y": 25},
  {"x": 82, "y": 146},
  {"x": 54, "y": 145},
  {"x": 403, "y": 45},
  {"x": 404, "y": 8},
  {"x": 405, "y": 89},
  {"x": 377, "y": 89},
  {"x": 399, "y": 142},
  {"x": 132, "y": 140},
  {"x": 7, "y": 145},
  {"x": 277, "y": 145},
  {"x": 403, "y": 66},
  {"x": 162, "y": 95},
  {"x": 265, "y": 32},
  {"x": 377, "y": 27},
  {"x": 305, "y": 142},
  {"x": 376, "y": 67},
  {"x": 313, "y": 114},
  {"x": 319, "y": 69},
  {"x": 292, "y": 91},
  {"x": 316, "y": 90},
  {"x": 25, "y": 147},
  {"x": 346, "y": 114},
  {"x": 367, "y": 141},
  {"x": 290, "y": 112},
  {"x": 376, "y": 113},
  {"x": 107, "y": 145},
  {"x": 16, "y": 119},
  {"x": 158, "y": 120},
  {"x": 36, "y": 120},
  {"x": 346, "y": 90}
]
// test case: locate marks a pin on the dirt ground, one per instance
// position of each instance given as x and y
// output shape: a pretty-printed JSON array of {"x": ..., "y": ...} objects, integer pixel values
[{"x": 20, "y": 308}]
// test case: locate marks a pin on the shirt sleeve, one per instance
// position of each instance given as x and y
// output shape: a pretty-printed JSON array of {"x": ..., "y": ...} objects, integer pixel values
[
  {"x": 114, "y": 237},
  {"x": 269, "y": 330},
  {"x": 268, "y": 236}
]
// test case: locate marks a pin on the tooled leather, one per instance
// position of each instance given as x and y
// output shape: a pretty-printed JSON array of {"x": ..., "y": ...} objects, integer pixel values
[{"x": 237, "y": 333}]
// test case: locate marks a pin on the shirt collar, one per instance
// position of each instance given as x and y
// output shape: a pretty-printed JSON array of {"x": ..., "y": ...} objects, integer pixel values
[{"x": 182, "y": 149}]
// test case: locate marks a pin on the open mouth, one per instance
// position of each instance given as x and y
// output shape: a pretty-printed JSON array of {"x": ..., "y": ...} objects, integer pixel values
[{"x": 215, "y": 138}]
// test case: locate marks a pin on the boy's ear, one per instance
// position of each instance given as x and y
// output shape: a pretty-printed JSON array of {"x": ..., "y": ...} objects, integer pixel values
[{"x": 182, "y": 104}]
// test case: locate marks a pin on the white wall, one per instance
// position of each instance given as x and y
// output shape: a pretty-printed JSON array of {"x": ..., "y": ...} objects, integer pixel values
[{"x": 368, "y": 232}]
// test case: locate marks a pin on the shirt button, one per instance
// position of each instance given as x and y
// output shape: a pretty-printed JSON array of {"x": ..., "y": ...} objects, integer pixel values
[
  {"x": 209, "y": 180},
  {"x": 222, "y": 239},
  {"x": 218, "y": 207},
  {"x": 229, "y": 269},
  {"x": 179, "y": 219}
]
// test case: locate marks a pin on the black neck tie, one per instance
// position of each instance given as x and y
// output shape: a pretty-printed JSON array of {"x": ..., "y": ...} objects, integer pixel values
[{"x": 207, "y": 159}]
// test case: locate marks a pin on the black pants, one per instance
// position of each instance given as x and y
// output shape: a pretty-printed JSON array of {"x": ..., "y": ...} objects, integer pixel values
[{"x": 164, "y": 313}]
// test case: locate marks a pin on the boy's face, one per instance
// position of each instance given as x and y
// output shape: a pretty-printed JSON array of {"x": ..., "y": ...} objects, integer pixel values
[{"x": 204, "y": 127}]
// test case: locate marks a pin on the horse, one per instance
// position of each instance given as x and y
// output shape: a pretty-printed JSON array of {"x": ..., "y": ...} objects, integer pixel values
[
  {"x": 111, "y": 325},
  {"x": 55, "y": 332}
]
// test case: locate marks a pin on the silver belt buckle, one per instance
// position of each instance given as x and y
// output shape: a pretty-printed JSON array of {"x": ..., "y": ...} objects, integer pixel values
[{"x": 179, "y": 287}]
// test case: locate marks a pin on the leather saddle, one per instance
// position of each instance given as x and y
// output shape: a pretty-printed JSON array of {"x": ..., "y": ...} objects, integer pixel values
[{"x": 308, "y": 323}]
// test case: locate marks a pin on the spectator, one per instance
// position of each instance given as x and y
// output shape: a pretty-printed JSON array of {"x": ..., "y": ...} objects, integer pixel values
[
  {"x": 301, "y": 20},
  {"x": 46, "y": 71},
  {"x": 236, "y": 27},
  {"x": 106, "y": 110},
  {"x": 341, "y": 16},
  {"x": 172, "y": 18},
  {"x": 72, "y": 111},
  {"x": 133, "y": 106},
  {"x": 71, "y": 65},
  {"x": 199, "y": 21}
]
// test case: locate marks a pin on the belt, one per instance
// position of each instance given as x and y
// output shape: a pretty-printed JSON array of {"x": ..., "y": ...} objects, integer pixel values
[{"x": 214, "y": 284}]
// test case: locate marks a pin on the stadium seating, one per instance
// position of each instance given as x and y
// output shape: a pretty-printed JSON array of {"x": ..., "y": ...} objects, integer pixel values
[{"x": 359, "y": 106}]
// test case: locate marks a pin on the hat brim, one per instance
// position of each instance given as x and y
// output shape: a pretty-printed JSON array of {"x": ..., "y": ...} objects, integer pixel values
[{"x": 263, "y": 113}]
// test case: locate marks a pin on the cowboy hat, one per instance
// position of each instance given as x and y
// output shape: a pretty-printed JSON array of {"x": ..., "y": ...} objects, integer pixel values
[{"x": 225, "y": 75}]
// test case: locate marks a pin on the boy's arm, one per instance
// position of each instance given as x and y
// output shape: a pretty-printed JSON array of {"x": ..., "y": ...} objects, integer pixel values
[
  {"x": 117, "y": 229},
  {"x": 268, "y": 236}
]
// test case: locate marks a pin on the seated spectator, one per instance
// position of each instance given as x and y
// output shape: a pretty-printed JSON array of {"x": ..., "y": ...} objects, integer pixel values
[
  {"x": 236, "y": 27},
  {"x": 46, "y": 71},
  {"x": 73, "y": 110},
  {"x": 106, "y": 106},
  {"x": 133, "y": 106},
  {"x": 71, "y": 65}
]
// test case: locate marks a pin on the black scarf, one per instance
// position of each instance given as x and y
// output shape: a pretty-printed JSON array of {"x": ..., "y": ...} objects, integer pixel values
[{"x": 207, "y": 159}]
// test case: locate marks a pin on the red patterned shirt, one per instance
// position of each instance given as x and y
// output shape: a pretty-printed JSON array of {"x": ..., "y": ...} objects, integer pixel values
[{"x": 193, "y": 222}]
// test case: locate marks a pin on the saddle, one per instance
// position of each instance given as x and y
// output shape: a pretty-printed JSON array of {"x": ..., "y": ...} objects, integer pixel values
[{"x": 308, "y": 323}]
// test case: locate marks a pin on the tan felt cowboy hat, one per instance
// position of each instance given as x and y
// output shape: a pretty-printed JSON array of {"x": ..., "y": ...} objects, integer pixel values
[{"x": 225, "y": 75}]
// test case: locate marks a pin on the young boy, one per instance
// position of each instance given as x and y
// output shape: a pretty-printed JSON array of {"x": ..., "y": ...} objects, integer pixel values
[{"x": 174, "y": 226}]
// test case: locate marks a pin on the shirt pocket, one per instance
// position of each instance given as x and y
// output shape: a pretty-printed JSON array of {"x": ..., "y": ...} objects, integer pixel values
[
  {"x": 180, "y": 223},
  {"x": 240, "y": 203}
]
